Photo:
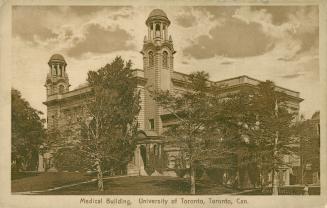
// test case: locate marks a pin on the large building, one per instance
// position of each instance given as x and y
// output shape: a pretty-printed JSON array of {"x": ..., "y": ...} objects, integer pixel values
[{"x": 158, "y": 72}]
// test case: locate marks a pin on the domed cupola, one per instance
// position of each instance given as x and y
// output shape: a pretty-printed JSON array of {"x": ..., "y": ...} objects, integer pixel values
[
  {"x": 57, "y": 79},
  {"x": 58, "y": 65},
  {"x": 157, "y": 15},
  {"x": 157, "y": 23}
]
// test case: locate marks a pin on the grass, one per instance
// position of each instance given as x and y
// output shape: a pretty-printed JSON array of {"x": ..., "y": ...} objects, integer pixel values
[
  {"x": 47, "y": 180},
  {"x": 155, "y": 185}
]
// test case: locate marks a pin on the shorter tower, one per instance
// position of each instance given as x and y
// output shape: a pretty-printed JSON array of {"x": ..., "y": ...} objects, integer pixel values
[{"x": 57, "y": 81}]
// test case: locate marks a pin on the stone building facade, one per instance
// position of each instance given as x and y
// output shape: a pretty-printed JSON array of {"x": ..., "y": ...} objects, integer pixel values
[{"x": 157, "y": 73}]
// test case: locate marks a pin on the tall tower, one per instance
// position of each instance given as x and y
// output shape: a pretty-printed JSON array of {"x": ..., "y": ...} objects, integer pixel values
[
  {"x": 158, "y": 57},
  {"x": 57, "y": 81}
]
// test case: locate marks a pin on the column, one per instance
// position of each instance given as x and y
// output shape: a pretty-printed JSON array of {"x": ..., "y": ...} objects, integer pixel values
[
  {"x": 161, "y": 30},
  {"x": 53, "y": 72},
  {"x": 60, "y": 72},
  {"x": 153, "y": 30},
  {"x": 166, "y": 32},
  {"x": 57, "y": 66},
  {"x": 147, "y": 152}
]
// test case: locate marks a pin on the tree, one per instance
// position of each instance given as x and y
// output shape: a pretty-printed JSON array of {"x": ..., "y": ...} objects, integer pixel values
[
  {"x": 308, "y": 133},
  {"x": 110, "y": 118},
  {"x": 27, "y": 132},
  {"x": 193, "y": 111},
  {"x": 264, "y": 128}
]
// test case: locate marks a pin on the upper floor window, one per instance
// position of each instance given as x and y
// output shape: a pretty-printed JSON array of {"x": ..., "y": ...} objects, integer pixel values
[
  {"x": 151, "y": 61},
  {"x": 165, "y": 59},
  {"x": 151, "y": 124}
]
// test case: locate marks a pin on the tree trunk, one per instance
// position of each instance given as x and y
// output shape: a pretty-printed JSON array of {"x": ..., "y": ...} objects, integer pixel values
[
  {"x": 274, "y": 182},
  {"x": 192, "y": 178},
  {"x": 100, "y": 177}
]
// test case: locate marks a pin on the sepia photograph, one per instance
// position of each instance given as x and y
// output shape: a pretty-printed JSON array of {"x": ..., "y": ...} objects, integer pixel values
[{"x": 165, "y": 100}]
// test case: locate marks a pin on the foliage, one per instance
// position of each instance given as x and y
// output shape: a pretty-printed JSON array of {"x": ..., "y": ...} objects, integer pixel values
[
  {"x": 193, "y": 111},
  {"x": 27, "y": 133},
  {"x": 235, "y": 131},
  {"x": 215, "y": 174},
  {"x": 308, "y": 133},
  {"x": 102, "y": 135},
  {"x": 256, "y": 118},
  {"x": 110, "y": 123},
  {"x": 180, "y": 165},
  {"x": 69, "y": 159}
]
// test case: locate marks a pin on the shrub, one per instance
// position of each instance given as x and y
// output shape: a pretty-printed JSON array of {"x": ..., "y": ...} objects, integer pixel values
[
  {"x": 180, "y": 172},
  {"x": 215, "y": 174},
  {"x": 67, "y": 159}
]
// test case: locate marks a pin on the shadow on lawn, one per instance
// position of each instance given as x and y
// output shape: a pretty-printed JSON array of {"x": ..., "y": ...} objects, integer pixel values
[{"x": 144, "y": 186}]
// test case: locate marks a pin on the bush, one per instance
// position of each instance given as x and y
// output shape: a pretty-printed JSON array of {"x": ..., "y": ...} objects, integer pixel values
[
  {"x": 67, "y": 159},
  {"x": 149, "y": 170},
  {"x": 180, "y": 172},
  {"x": 199, "y": 169},
  {"x": 160, "y": 163},
  {"x": 215, "y": 174},
  {"x": 199, "y": 172}
]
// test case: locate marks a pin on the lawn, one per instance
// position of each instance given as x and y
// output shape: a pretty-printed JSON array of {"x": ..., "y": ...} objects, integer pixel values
[
  {"x": 47, "y": 180},
  {"x": 148, "y": 185}
]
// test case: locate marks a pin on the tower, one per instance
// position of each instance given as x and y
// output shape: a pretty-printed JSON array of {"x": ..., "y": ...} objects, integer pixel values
[
  {"x": 158, "y": 55},
  {"x": 57, "y": 81}
]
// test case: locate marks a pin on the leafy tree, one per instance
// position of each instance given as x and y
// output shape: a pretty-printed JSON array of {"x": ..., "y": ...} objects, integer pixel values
[
  {"x": 308, "y": 133},
  {"x": 27, "y": 133},
  {"x": 110, "y": 121},
  {"x": 261, "y": 133},
  {"x": 193, "y": 111}
]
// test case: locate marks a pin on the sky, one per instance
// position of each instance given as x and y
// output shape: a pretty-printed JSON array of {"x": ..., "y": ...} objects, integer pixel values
[{"x": 278, "y": 43}]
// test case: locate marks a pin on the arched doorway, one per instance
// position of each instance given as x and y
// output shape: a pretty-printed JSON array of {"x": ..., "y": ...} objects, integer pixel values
[{"x": 143, "y": 154}]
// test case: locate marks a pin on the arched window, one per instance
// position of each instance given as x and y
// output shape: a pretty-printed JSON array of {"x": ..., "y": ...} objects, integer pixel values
[
  {"x": 157, "y": 27},
  {"x": 60, "y": 70},
  {"x": 165, "y": 59},
  {"x": 61, "y": 89},
  {"x": 155, "y": 150},
  {"x": 157, "y": 30},
  {"x": 54, "y": 69},
  {"x": 151, "y": 61}
]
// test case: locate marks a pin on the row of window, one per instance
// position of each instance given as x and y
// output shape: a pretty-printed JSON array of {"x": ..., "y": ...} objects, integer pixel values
[
  {"x": 164, "y": 59},
  {"x": 58, "y": 70},
  {"x": 158, "y": 27}
]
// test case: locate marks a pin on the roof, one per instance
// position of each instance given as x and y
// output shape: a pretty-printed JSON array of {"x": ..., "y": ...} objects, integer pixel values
[
  {"x": 157, "y": 12},
  {"x": 57, "y": 57},
  {"x": 237, "y": 81}
]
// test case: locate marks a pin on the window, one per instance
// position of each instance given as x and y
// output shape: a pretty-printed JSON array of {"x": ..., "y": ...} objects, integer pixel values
[
  {"x": 155, "y": 150},
  {"x": 165, "y": 59},
  {"x": 61, "y": 89},
  {"x": 151, "y": 61},
  {"x": 151, "y": 124},
  {"x": 158, "y": 30},
  {"x": 60, "y": 70},
  {"x": 157, "y": 27},
  {"x": 56, "y": 68}
]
